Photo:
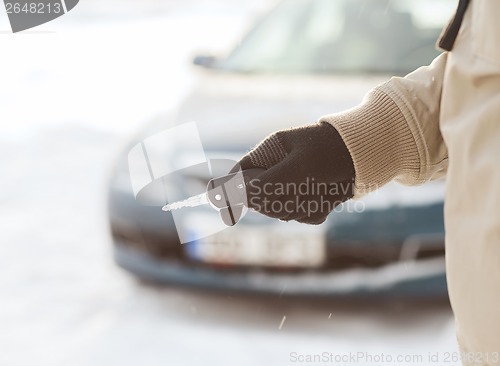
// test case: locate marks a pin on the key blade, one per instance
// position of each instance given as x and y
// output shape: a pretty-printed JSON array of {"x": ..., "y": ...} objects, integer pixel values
[{"x": 193, "y": 201}]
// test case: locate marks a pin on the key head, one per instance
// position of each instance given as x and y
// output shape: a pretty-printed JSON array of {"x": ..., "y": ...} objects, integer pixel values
[
  {"x": 231, "y": 215},
  {"x": 228, "y": 194}
]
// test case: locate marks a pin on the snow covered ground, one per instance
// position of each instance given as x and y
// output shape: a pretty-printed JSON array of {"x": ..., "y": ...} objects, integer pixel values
[{"x": 70, "y": 93}]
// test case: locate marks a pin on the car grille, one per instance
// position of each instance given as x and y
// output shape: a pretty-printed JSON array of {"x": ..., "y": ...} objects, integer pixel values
[
  {"x": 339, "y": 255},
  {"x": 371, "y": 255}
]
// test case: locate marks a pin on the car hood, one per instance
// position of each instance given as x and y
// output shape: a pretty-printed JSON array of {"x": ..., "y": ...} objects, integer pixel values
[{"x": 235, "y": 111}]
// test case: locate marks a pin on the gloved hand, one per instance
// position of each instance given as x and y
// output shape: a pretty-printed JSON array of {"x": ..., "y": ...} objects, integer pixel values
[{"x": 309, "y": 171}]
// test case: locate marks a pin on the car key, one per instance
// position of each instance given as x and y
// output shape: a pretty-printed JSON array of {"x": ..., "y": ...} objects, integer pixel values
[{"x": 225, "y": 194}]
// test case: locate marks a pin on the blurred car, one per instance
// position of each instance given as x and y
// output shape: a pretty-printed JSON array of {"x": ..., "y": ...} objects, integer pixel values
[{"x": 304, "y": 59}]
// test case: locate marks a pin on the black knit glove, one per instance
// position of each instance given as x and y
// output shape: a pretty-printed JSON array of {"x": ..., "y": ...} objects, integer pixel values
[{"x": 309, "y": 171}]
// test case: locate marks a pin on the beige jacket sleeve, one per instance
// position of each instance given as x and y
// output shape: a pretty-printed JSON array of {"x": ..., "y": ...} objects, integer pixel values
[{"x": 394, "y": 133}]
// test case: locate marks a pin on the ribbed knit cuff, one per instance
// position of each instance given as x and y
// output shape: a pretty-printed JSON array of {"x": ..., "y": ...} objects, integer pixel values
[{"x": 379, "y": 140}]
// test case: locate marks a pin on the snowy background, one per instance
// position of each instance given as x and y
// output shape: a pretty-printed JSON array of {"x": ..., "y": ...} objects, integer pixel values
[{"x": 71, "y": 92}]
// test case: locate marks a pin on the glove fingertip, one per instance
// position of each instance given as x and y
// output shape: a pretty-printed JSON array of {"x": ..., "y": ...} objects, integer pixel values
[
  {"x": 244, "y": 164},
  {"x": 312, "y": 220}
]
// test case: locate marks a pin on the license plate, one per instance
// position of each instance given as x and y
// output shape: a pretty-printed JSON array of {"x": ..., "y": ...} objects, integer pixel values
[{"x": 279, "y": 245}]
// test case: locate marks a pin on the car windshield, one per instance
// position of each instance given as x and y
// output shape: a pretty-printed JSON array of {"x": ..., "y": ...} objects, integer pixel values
[{"x": 343, "y": 36}]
